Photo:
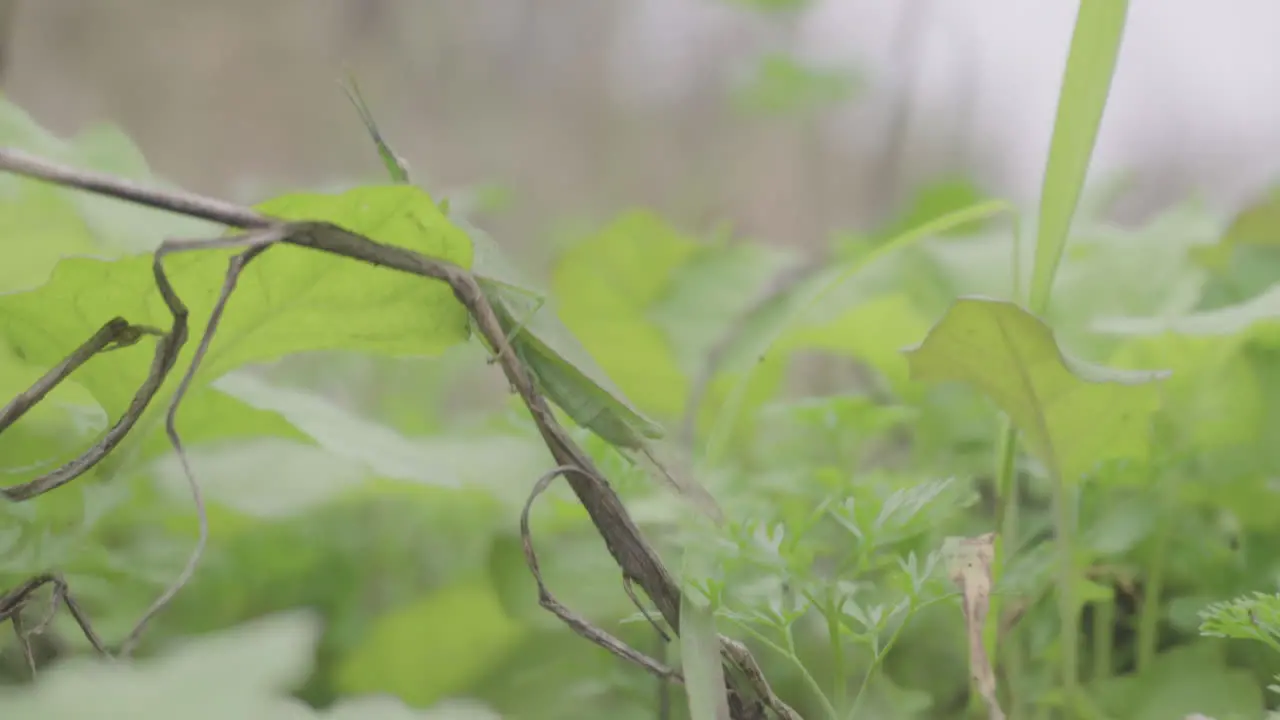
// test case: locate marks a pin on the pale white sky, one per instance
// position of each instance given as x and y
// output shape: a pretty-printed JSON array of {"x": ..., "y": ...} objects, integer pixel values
[{"x": 1197, "y": 88}]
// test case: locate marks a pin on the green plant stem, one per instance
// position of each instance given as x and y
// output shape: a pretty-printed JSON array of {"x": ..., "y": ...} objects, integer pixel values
[
  {"x": 1152, "y": 589},
  {"x": 1104, "y": 620},
  {"x": 876, "y": 660},
  {"x": 1064, "y": 501},
  {"x": 832, "y": 613},
  {"x": 1006, "y": 513},
  {"x": 1011, "y": 661},
  {"x": 1007, "y": 522},
  {"x": 790, "y": 654}
]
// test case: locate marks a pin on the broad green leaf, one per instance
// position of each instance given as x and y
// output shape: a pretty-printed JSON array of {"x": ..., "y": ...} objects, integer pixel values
[
  {"x": 244, "y": 672},
  {"x": 494, "y": 462},
  {"x": 1256, "y": 225},
  {"x": 396, "y": 313},
  {"x": 874, "y": 332},
  {"x": 1185, "y": 680},
  {"x": 1095, "y": 44},
  {"x": 290, "y": 300},
  {"x": 583, "y": 400},
  {"x": 1248, "y": 271},
  {"x": 1227, "y": 412},
  {"x": 264, "y": 477},
  {"x": 605, "y": 288},
  {"x": 211, "y": 415},
  {"x": 434, "y": 648},
  {"x": 83, "y": 223},
  {"x": 59, "y": 532},
  {"x": 56, "y": 429},
  {"x": 565, "y": 371},
  {"x": 1072, "y": 414},
  {"x": 38, "y": 227}
]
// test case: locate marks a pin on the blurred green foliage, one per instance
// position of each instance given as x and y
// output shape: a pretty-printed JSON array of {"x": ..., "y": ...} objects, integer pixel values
[{"x": 364, "y": 494}]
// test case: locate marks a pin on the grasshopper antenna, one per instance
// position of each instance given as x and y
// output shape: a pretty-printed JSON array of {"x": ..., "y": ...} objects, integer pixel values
[{"x": 397, "y": 167}]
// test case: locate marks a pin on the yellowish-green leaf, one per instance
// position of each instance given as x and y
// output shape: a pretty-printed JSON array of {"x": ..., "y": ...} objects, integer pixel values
[
  {"x": 434, "y": 648},
  {"x": 1257, "y": 224},
  {"x": 38, "y": 227},
  {"x": 565, "y": 371},
  {"x": 1072, "y": 414},
  {"x": 873, "y": 332},
  {"x": 53, "y": 431},
  {"x": 1227, "y": 412},
  {"x": 605, "y": 287},
  {"x": 290, "y": 300}
]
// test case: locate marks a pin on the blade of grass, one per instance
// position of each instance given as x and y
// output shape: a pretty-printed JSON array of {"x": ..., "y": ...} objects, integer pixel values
[{"x": 1095, "y": 45}]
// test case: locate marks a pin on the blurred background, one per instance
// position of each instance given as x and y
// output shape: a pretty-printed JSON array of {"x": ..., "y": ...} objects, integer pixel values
[
  {"x": 666, "y": 163},
  {"x": 790, "y": 119}
]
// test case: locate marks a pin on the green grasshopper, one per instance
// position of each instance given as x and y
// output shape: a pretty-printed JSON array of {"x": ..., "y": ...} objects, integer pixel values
[{"x": 563, "y": 369}]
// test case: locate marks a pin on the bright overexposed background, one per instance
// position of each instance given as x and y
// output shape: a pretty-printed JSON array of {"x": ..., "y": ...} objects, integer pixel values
[{"x": 583, "y": 107}]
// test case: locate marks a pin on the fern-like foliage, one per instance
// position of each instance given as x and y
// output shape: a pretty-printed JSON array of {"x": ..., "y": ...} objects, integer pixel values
[{"x": 1250, "y": 617}]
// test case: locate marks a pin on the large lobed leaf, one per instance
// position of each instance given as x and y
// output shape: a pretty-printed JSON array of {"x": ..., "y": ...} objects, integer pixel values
[
  {"x": 1073, "y": 415},
  {"x": 290, "y": 300}
]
